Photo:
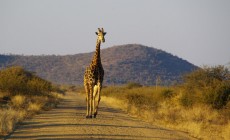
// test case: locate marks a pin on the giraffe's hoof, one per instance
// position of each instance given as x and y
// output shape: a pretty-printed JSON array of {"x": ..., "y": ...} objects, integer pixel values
[
  {"x": 88, "y": 117},
  {"x": 95, "y": 114}
]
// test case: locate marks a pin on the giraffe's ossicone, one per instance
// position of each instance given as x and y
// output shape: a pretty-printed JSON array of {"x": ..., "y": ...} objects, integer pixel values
[{"x": 93, "y": 78}]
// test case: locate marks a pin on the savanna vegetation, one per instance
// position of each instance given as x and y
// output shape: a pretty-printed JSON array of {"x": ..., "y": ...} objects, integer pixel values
[
  {"x": 199, "y": 106},
  {"x": 23, "y": 94}
]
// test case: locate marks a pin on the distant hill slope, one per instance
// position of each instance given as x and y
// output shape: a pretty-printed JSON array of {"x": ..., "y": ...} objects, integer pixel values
[{"x": 122, "y": 64}]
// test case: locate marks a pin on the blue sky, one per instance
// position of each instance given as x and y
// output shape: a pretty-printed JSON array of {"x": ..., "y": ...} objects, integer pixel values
[{"x": 195, "y": 30}]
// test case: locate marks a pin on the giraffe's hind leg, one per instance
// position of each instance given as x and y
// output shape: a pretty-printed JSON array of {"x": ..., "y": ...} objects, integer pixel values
[
  {"x": 95, "y": 93},
  {"x": 99, "y": 98}
]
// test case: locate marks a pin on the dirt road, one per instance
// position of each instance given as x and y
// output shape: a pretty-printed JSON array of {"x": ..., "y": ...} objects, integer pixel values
[{"x": 68, "y": 122}]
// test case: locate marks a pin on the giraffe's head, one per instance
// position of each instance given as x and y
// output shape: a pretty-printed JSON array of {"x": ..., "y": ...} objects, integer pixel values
[{"x": 101, "y": 35}]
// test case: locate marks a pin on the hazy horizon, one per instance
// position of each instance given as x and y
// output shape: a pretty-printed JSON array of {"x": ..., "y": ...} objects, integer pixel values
[{"x": 194, "y": 30}]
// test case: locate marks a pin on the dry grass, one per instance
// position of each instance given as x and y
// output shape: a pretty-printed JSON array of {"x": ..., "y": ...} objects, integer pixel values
[
  {"x": 226, "y": 132},
  {"x": 200, "y": 120},
  {"x": 22, "y": 107},
  {"x": 23, "y": 94},
  {"x": 18, "y": 101},
  {"x": 115, "y": 102},
  {"x": 57, "y": 95},
  {"x": 9, "y": 118},
  {"x": 34, "y": 107}
]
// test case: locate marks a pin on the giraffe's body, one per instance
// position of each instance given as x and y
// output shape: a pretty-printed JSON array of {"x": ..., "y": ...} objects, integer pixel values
[{"x": 93, "y": 78}]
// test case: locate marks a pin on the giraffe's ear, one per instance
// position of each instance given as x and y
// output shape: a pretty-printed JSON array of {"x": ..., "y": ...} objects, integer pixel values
[
  {"x": 104, "y": 33},
  {"x": 96, "y": 33}
]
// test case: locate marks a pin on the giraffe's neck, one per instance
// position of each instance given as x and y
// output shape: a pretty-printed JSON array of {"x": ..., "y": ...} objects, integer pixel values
[{"x": 97, "y": 58}]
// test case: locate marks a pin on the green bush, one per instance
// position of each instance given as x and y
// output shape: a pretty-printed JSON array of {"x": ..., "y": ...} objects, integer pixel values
[
  {"x": 210, "y": 85},
  {"x": 133, "y": 85},
  {"x": 15, "y": 80},
  {"x": 38, "y": 86},
  {"x": 141, "y": 100},
  {"x": 61, "y": 89},
  {"x": 186, "y": 100},
  {"x": 167, "y": 93},
  {"x": 219, "y": 96}
]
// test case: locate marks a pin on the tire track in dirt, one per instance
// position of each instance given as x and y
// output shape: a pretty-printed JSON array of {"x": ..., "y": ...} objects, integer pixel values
[{"x": 67, "y": 122}]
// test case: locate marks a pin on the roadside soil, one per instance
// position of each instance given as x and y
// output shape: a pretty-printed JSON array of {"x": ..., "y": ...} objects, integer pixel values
[{"x": 68, "y": 122}]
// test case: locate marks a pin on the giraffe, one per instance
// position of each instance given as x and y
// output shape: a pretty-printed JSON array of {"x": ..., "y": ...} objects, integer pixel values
[{"x": 93, "y": 78}]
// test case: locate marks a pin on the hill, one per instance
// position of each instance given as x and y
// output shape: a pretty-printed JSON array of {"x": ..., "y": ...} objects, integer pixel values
[{"x": 122, "y": 64}]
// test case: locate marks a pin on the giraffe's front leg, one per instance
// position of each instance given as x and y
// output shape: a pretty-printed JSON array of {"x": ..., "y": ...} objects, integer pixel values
[
  {"x": 99, "y": 98},
  {"x": 91, "y": 102}
]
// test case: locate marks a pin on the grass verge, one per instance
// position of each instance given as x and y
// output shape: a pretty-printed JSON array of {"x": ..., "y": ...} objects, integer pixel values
[
  {"x": 21, "y": 107},
  {"x": 164, "y": 106}
]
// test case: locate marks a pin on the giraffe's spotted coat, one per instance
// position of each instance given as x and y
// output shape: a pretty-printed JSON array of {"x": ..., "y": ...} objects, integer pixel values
[{"x": 93, "y": 78}]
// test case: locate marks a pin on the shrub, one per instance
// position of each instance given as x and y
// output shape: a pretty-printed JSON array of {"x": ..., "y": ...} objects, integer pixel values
[
  {"x": 186, "y": 100},
  {"x": 141, "y": 100},
  {"x": 133, "y": 85},
  {"x": 23, "y": 94},
  {"x": 18, "y": 101},
  {"x": 61, "y": 89},
  {"x": 34, "y": 107},
  {"x": 210, "y": 85},
  {"x": 219, "y": 96},
  {"x": 8, "y": 119},
  {"x": 207, "y": 77},
  {"x": 38, "y": 86},
  {"x": 15, "y": 80},
  {"x": 167, "y": 93}
]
